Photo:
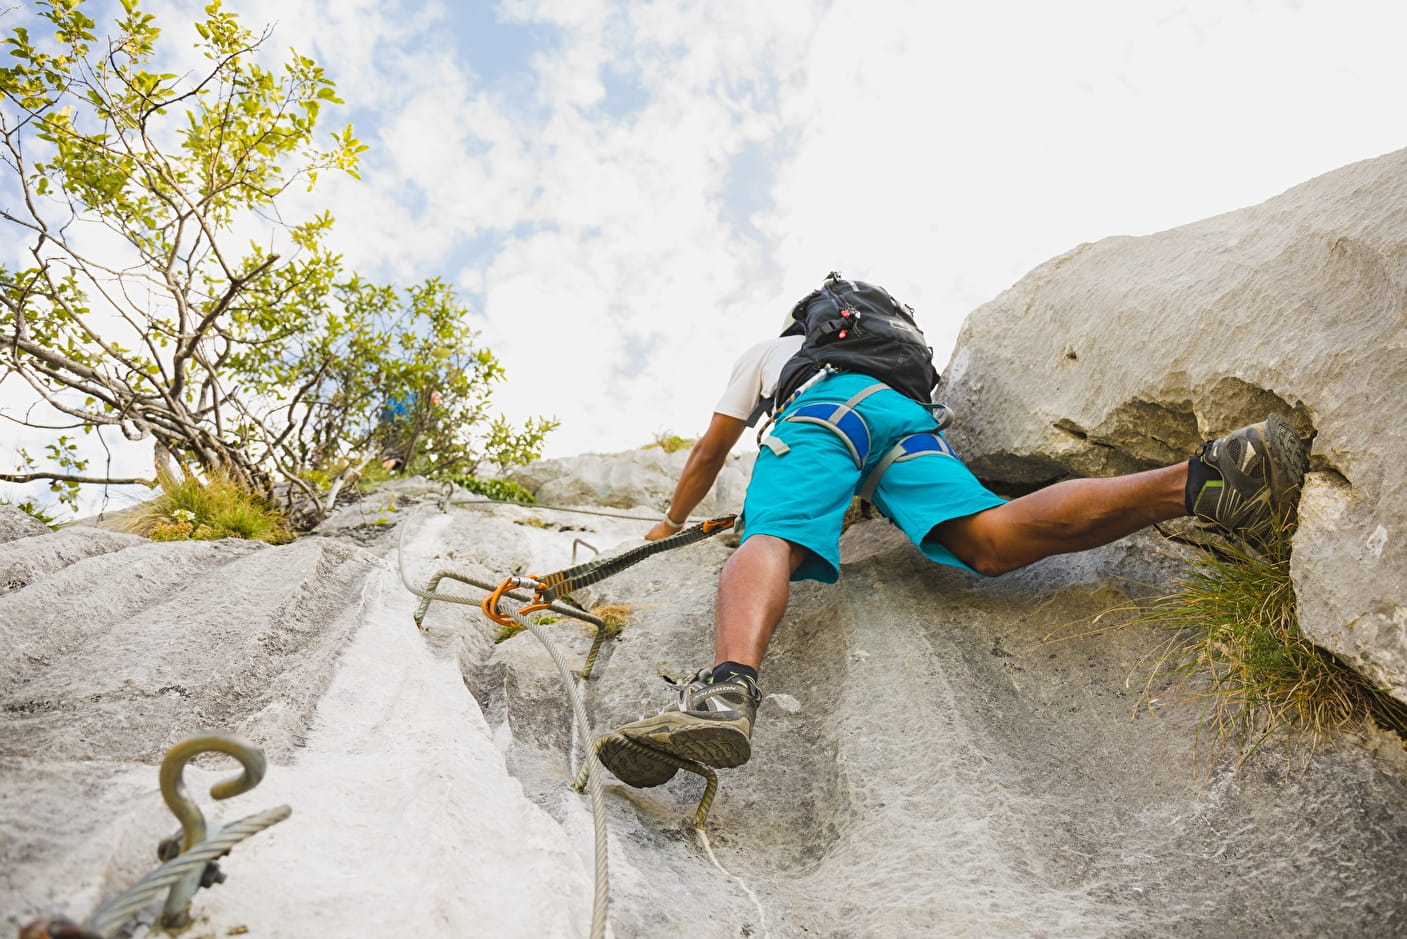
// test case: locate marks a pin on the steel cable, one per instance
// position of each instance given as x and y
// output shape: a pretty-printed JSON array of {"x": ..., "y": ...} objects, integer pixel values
[{"x": 115, "y": 914}]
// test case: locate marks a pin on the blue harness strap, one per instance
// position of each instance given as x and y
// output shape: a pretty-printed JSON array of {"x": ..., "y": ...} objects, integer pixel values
[
  {"x": 841, "y": 419},
  {"x": 909, "y": 448}
]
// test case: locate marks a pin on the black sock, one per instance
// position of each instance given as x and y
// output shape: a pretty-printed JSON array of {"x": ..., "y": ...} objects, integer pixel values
[
  {"x": 726, "y": 671},
  {"x": 1198, "y": 474}
]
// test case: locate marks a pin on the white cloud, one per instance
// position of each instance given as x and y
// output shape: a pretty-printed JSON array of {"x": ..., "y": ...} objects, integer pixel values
[{"x": 940, "y": 149}]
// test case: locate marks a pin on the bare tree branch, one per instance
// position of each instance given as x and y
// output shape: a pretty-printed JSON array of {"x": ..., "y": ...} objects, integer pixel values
[{"x": 70, "y": 478}]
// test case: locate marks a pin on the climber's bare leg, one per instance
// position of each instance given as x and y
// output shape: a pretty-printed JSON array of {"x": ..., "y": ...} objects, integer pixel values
[
  {"x": 752, "y": 596},
  {"x": 1068, "y": 516}
]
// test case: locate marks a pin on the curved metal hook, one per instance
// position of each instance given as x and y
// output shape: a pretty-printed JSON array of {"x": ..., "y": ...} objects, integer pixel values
[{"x": 173, "y": 785}]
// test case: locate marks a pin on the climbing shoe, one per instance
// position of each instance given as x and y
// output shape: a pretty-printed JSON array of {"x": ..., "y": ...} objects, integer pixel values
[
  {"x": 1246, "y": 482},
  {"x": 710, "y": 722}
]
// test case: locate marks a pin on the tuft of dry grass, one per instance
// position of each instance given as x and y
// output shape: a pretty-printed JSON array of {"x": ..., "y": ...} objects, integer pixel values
[
  {"x": 616, "y": 616},
  {"x": 670, "y": 443},
  {"x": 1235, "y": 646},
  {"x": 191, "y": 509}
]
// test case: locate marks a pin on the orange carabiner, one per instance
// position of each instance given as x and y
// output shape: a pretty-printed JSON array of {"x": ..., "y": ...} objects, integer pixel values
[{"x": 490, "y": 604}]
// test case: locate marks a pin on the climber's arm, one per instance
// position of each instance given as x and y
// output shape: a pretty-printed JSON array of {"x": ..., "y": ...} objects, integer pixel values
[{"x": 707, "y": 457}]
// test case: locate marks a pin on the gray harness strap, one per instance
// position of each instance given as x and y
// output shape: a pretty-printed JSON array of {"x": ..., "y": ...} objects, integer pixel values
[{"x": 909, "y": 448}]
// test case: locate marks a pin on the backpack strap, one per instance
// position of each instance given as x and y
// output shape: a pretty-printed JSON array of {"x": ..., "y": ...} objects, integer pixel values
[
  {"x": 909, "y": 448},
  {"x": 763, "y": 438}
]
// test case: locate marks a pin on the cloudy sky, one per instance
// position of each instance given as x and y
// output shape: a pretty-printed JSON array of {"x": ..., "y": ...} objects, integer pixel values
[{"x": 627, "y": 193}]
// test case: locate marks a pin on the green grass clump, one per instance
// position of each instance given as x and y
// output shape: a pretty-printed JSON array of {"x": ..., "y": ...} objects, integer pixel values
[
  {"x": 508, "y": 631},
  {"x": 1236, "y": 647},
  {"x": 192, "y": 509}
]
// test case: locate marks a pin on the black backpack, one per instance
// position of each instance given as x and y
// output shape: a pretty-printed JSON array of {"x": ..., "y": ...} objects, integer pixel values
[{"x": 858, "y": 327}]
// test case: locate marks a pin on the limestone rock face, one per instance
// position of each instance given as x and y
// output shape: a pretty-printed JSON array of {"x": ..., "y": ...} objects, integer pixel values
[
  {"x": 16, "y": 524},
  {"x": 937, "y": 754},
  {"x": 22, "y": 561},
  {"x": 1124, "y": 354},
  {"x": 309, "y": 650},
  {"x": 645, "y": 479}
]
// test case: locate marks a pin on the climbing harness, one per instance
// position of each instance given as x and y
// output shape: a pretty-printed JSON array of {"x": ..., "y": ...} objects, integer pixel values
[
  {"x": 189, "y": 856},
  {"x": 842, "y": 419}
]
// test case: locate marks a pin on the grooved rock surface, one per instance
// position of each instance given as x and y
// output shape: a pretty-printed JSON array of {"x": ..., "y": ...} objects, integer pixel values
[
  {"x": 938, "y": 754},
  {"x": 1126, "y": 353},
  {"x": 32, "y": 558},
  {"x": 405, "y": 819},
  {"x": 16, "y": 524},
  {"x": 122, "y": 654}
]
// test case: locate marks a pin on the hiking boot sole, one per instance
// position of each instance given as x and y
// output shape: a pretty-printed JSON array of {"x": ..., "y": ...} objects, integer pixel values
[
  {"x": 1288, "y": 462},
  {"x": 720, "y": 744},
  {"x": 632, "y": 763}
]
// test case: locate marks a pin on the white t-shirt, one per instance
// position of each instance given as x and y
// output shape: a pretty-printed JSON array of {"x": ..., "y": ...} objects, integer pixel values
[{"x": 755, "y": 376}]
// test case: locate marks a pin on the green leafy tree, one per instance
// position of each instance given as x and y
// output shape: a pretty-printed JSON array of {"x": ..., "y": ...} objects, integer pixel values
[{"x": 142, "y": 307}]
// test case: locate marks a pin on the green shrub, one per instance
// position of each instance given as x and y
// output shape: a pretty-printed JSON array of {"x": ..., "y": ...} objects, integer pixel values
[
  {"x": 207, "y": 510},
  {"x": 1236, "y": 647},
  {"x": 501, "y": 490}
]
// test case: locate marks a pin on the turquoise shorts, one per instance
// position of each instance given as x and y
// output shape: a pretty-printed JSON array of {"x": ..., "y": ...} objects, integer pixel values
[{"x": 801, "y": 495}]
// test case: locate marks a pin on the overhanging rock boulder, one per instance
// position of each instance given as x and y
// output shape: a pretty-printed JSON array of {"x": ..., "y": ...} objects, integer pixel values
[{"x": 1124, "y": 354}]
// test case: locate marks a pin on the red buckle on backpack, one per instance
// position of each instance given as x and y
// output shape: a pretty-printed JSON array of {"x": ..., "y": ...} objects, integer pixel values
[{"x": 847, "y": 314}]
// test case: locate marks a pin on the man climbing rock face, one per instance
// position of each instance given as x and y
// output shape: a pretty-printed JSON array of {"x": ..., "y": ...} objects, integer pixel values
[{"x": 849, "y": 383}]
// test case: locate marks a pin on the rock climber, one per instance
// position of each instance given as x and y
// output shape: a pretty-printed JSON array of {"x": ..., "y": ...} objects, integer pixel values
[{"x": 810, "y": 466}]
